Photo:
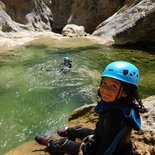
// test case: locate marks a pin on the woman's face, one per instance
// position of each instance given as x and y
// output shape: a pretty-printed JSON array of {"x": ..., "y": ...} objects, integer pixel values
[
  {"x": 66, "y": 61},
  {"x": 109, "y": 89}
]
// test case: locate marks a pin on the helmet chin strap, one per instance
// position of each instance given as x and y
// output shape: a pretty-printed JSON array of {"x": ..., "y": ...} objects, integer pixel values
[{"x": 118, "y": 92}]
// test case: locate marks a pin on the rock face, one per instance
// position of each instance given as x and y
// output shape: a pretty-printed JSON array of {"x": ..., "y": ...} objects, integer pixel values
[
  {"x": 17, "y": 15},
  {"x": 6, "y": 23},
  {"x": 87, "y": 13},
  {"x": 61, "y": 10},
  {"x": 29, "y": 148},
  {"x": 85, "y": 116},
  {"x": 121, "y": 21},
  {"x": 135, "y": 24},
  {"x": 90, "y": 13}
]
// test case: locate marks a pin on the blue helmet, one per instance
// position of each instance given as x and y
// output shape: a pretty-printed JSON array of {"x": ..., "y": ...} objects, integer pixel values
[
  {"x": 123, "y": 71},
  {"x": 66, "y": 58}
]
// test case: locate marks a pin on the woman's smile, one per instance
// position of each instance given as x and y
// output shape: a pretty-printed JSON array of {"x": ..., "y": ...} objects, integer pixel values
[{"x": 110, "y": 88}]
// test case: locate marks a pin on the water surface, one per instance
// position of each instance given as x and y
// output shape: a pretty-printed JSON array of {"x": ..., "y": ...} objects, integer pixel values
[{"x": 35, "y": 97}]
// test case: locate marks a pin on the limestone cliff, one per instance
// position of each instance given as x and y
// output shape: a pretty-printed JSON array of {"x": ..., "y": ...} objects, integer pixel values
[
  {"x": 20, "y": 15},
  {"x": 121, "y": 21},
  {"x": 61, "y": 10},
  {"x": 85, "y": 116},
  {"x": 87, "y": 13},
  {"x": 130, "y": 25}
]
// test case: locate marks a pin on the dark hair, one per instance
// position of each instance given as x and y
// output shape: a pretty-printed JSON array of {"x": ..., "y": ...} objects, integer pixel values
[
  {"x": 133, "y": 96},
  {"x": 98, "y": 95},
  {"x": 131, "y": 91}
]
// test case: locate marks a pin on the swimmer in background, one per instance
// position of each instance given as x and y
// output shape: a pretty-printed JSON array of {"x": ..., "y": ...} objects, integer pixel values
[{"x": 66, "y": 65}]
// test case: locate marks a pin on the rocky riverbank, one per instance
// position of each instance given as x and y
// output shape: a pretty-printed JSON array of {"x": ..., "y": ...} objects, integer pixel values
[
  {"x": 10, "y": 41},
  {"x": 145, "y": 139},
  {"x": 14, "y": 40}
]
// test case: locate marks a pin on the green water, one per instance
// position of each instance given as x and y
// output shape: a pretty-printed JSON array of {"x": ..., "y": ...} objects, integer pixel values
[{"x": 33, "y": 100}]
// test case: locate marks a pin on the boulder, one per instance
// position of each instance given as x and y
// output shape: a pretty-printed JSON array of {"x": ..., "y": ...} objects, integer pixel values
[{"x": 72, "y": 30}]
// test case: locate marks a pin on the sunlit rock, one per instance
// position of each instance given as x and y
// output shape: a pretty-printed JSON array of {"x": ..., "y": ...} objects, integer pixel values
[
  {"x": 20, "y": 15},
  {"x": 130, "y": 25},
  {"x": 72, "y": 30}
]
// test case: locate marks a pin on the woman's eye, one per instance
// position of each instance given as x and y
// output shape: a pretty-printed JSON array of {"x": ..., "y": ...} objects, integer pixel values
[{"x": 114, "y": 86}]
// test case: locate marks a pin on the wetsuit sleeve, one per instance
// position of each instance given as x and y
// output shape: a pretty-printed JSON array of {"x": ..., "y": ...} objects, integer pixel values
[{"x": 107, "y": 129}]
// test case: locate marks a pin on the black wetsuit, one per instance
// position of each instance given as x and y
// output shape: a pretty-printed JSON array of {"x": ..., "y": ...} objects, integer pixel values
[
  {"x": 110, "y": 123},
  {"x": 67, "y": 64},
  {"x": 112, "y": 132},
  {"x": 65, "y": 67}
]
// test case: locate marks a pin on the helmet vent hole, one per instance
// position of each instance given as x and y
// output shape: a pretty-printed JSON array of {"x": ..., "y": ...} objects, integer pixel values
[
  {"x": 111, "y": 70},
  {"x": 131, "y": 74},
  {"x": 125, "y": 72}
]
